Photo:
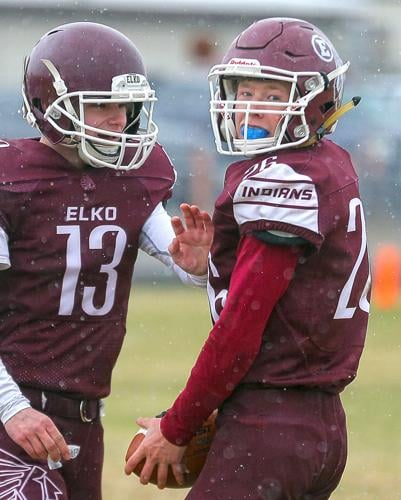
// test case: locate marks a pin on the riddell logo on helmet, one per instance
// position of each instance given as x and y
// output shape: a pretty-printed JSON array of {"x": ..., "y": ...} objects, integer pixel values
[
  {"x": 244, "y": 62},
  {"x": 322, "y": 48}
]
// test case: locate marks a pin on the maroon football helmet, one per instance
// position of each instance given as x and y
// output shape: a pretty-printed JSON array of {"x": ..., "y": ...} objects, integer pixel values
[
  {"x": 80, "y": 63},
  {"x": 287, "y": 50}
]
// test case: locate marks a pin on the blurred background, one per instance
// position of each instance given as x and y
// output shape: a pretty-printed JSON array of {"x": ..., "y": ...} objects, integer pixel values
[{"x": 181, "y": 40}]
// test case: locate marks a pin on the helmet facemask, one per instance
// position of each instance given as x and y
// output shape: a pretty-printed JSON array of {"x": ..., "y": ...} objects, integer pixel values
[
  {"x": 102, "y": 148},
  {"x": 292, "y": 129},
  {"x": 99, "y": 147}
]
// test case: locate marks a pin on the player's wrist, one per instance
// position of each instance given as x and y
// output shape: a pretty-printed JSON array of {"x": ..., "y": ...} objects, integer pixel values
[{"x": 12, "y": 407}]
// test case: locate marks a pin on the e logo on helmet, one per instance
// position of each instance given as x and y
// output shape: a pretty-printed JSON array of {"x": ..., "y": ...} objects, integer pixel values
[{"x": 322, "y": 48}]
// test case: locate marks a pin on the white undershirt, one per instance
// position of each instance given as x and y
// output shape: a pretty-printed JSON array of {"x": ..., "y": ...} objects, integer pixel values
[
  {"x": 155, "y": 237},
  {"x": 4, "y": 253},
  {"x": 11, "y": 399}
]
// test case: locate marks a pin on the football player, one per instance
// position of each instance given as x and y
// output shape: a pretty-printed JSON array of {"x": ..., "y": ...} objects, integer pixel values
[
  {"x": 289, "y": 279},
  {"x": 76, "y": 205}
]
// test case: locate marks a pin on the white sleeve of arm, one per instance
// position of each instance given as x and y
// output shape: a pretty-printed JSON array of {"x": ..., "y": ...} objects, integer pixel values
[
  {"x": 11, "y": 398},
  {"x": 156, "y": 236},
  {"x": 4, "y": 253}
]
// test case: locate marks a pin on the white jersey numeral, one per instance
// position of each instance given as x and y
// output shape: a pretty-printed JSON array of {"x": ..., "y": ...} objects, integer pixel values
[
  {"x": 344, "y": 311},
  {"x": 213, "y": 298},
  {"x": 74, "y": 264}
]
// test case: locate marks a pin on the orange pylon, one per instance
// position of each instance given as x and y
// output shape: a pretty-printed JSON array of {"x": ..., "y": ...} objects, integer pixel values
[{"x": 386, "y": 277}]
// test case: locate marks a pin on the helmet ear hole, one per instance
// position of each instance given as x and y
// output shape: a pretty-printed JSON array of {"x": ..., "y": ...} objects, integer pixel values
[
  {"x": 133, "y": 118},
  {"x": 327, "y": 106},
  {"x": 37, "y": 103}
]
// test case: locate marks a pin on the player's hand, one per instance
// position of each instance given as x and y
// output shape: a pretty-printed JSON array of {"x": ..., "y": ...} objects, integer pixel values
[
  {"x": 36, "y": 433},
  {"x": 193, "y": 238},
  {"x": 159, "y": 453}
]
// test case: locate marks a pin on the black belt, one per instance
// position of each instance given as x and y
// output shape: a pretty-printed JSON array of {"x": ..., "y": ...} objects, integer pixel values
[{"x": 52, "y": 403}]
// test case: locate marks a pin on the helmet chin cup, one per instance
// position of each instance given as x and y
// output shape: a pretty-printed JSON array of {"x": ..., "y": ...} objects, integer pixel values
[{"x": 98, "y": 155}]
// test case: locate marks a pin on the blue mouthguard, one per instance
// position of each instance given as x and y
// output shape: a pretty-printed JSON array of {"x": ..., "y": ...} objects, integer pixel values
[{"x": 255, "y": 132}]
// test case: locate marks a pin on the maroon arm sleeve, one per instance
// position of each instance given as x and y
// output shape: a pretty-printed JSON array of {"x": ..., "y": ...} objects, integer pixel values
[{"x": 260, "y": 277}]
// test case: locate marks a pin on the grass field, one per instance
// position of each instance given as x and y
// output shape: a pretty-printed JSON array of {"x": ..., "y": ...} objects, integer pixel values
[{"x": 166, "y": 328}]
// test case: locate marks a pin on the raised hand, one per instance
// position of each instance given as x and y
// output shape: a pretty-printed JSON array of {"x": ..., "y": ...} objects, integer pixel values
[{"x": 193, "y": 238}]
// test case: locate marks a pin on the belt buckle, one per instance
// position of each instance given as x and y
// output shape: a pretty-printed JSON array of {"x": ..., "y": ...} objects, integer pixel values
[{"x": 82, "y": 412}]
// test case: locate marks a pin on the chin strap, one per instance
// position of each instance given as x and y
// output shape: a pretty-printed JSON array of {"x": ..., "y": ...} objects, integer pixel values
[{"x": 331, "y": 121}]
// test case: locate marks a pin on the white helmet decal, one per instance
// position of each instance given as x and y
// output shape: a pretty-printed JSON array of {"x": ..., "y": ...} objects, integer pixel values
[{"x": 322, "y": 48}]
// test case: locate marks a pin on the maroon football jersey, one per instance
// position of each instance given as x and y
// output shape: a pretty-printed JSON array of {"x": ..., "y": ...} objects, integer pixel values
[
  {"x": 73, "y": 240},
  {"x": 315, "y": 334}
]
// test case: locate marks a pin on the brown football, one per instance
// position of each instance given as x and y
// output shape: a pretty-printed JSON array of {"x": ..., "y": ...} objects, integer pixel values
[{"x": 194, "y": 456}]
